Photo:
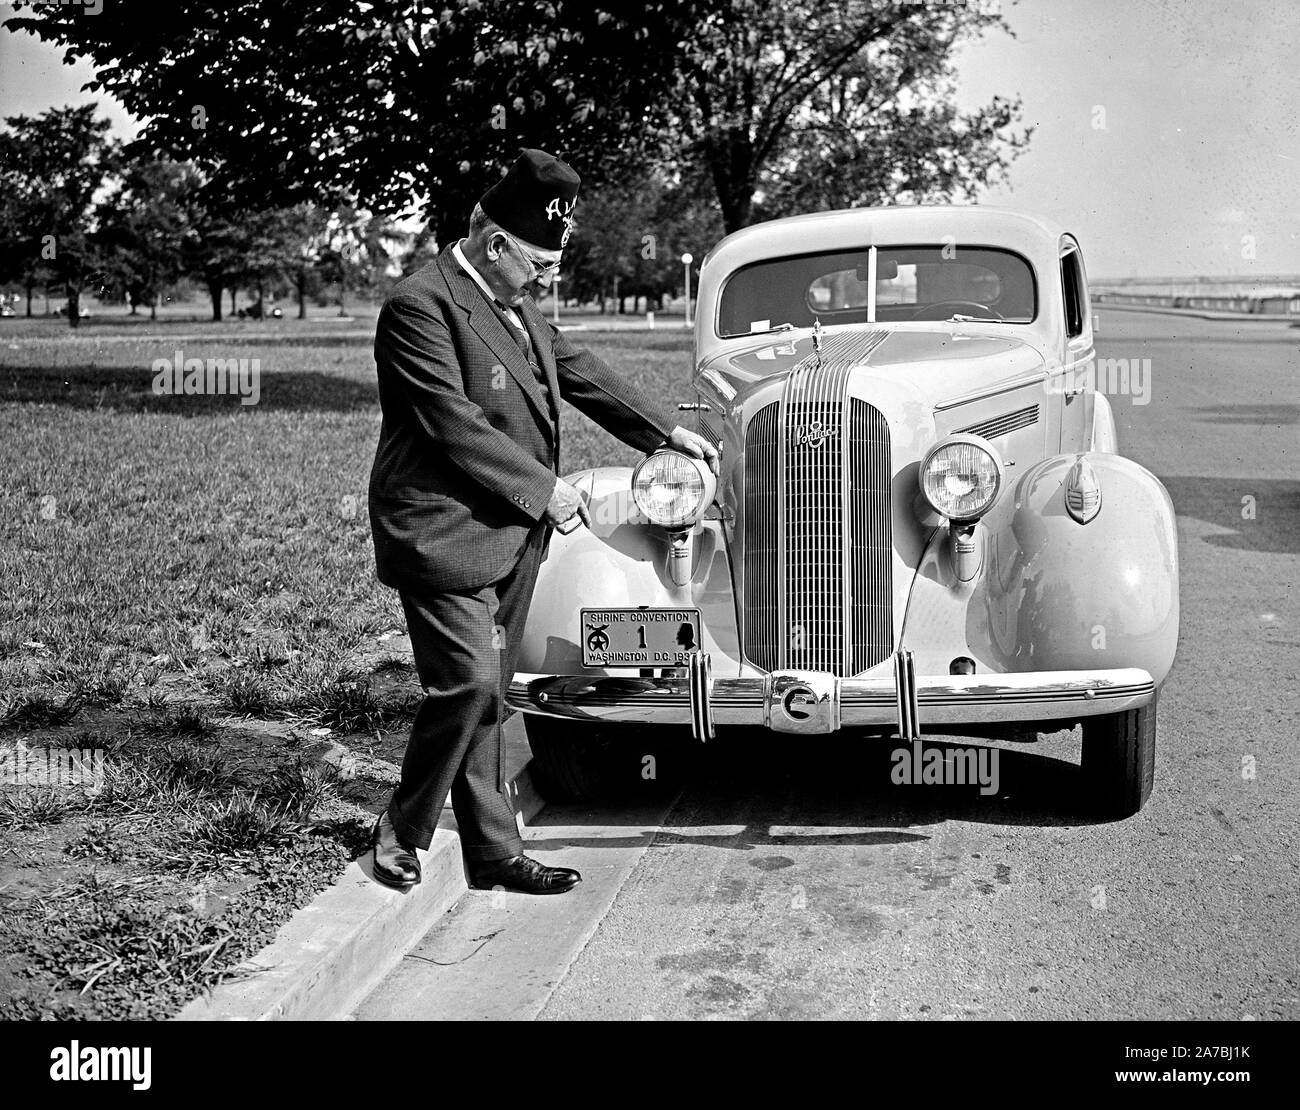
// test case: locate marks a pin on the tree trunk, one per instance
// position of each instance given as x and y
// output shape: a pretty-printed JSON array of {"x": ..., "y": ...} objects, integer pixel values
[
  {"x": 233, "y": 309},
  {"x": 736, "y": 209},
  {"x": 74, "y": 305},
  {"x": 215, "y": 290},
  {"x": 731, "y": 162},
  {"x": 301, "y": 284},
  {"x": 30, "y": 287},
  {"x": 153, "y": 307}
]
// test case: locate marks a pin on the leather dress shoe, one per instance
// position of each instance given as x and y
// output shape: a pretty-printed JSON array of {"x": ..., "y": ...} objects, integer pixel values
[
  {"x": 523, "y": 873},
  {"x": 396, "y": 863}
]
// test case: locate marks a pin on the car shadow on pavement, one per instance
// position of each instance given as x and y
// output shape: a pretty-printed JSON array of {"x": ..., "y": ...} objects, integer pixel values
[{"x": 761, "y": 782}]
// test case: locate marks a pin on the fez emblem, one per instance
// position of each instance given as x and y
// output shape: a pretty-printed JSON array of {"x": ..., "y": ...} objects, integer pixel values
[{"x": 564, "y": 210}]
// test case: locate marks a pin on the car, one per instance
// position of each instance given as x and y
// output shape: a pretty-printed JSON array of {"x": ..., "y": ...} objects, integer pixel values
[
  {"x": 258, "y": 311},
  {"x": 83, "y": 313},
  {"x": 922, "y": 524}
]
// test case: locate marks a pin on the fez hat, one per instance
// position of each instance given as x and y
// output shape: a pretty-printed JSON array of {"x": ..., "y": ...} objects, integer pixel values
[{"x": 535, "y": 200}]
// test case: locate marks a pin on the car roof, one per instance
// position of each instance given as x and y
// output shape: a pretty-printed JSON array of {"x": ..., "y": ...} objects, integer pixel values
[{"x": 976, "y": 224}]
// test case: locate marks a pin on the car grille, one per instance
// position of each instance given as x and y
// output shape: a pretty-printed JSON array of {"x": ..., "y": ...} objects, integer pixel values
[{"x": 818, "y": 584}]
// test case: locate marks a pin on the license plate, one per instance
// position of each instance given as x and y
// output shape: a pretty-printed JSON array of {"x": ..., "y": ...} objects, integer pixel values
[{"x": 639, "y": 637}]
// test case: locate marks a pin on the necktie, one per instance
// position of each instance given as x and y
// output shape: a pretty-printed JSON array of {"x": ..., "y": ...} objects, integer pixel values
[{"x": 521, "y": 337}]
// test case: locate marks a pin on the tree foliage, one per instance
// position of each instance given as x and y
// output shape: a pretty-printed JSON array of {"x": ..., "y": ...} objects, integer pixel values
[
  {"x": 816, "y": 104},
  {"x": 376, "y": 103},
  {"x": 631, "y": 237},
  {"x": 144, "y": 225},
  {"x": 50, "y": 167},
  {"x": 382, "y": 103}
]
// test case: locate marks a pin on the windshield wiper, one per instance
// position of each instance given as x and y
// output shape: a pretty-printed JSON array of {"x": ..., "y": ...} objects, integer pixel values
[
  {"x": 962, "y": 319},
  {"x": 778, "y": 327}
]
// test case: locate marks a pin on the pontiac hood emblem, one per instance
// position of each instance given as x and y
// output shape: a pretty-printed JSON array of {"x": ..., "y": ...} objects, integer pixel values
[{"x": 814, "y": 435}]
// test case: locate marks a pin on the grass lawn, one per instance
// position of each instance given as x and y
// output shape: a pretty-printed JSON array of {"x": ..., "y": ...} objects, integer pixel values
[{"x": 187, "y": 584}]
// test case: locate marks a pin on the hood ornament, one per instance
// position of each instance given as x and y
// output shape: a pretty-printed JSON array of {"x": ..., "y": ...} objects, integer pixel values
[{"x": 817, "y": 340}]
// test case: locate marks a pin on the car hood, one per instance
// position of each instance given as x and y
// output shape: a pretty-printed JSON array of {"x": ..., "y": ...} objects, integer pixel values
[{"x": 938, "y": 366}]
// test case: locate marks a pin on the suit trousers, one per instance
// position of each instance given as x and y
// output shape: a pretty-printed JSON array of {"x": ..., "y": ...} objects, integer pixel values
[{"x": 465, "y": 645}]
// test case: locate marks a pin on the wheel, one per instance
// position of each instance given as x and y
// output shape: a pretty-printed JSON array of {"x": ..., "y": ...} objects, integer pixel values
[
  {"x": 576, "y": 761},
  {"x": 1119, "y": 760}
]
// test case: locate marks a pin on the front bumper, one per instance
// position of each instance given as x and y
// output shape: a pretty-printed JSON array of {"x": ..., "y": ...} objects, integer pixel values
[{"x": 811, "y": 702}]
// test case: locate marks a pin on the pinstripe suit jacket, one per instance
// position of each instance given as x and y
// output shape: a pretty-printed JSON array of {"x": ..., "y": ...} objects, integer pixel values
[{"x": 469, "y": 448}]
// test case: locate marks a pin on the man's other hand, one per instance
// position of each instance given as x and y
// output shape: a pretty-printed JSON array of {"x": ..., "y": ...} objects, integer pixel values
[
  {"x": 695, "y": 444},
  {"x": 564, "y": 503}
]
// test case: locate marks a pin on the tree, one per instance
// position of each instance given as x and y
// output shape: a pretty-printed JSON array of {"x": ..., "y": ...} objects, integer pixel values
[
  {"x": 358, "y": 247},
  {"x": 50, "y": 168},
  {"x": 143, "y": 227},
  {"x": 376, "y": 104},
  {"x": 630, "y": 238},
  {"x": 309, "y": 227},
  {"x": 828, "y": 103},
  {"x": 399, "y": 102},
  {"x": 17, "y": 264},
  {"x": 215, "y": 251}
]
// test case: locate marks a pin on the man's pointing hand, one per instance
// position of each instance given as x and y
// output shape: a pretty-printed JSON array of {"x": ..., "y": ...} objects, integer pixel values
[{"x": 565, "y": 502}]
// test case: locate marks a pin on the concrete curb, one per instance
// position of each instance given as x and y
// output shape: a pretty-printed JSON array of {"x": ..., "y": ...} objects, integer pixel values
[
  {"x": 332, "y": 953},
  {"x": 1196, "y": 313}
]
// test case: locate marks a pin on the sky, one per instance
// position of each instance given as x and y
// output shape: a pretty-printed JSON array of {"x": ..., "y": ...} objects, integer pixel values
[{"x": 1167, "y": 132}]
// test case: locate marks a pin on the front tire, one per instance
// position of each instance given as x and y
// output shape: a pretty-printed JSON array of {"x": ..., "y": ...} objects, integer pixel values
[
  {"x": 1119, "y": 760},
  {"x": 577, "y": 761}
]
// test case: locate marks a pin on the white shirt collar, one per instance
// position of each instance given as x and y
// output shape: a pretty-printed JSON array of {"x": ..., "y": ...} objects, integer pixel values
[{"x": 511, "y": 312}]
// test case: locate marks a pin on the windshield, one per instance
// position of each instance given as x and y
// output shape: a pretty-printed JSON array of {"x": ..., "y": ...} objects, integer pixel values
[{"x": 931, "y": 282}]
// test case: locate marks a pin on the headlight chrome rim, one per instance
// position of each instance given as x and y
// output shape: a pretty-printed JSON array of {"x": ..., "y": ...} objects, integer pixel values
[
  {"x": 672, "y": 512},
  {"x": 952, "y": 510}
]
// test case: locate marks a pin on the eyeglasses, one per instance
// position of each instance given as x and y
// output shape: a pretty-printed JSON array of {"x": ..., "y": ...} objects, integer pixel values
[{"x": 540, "y": 269}]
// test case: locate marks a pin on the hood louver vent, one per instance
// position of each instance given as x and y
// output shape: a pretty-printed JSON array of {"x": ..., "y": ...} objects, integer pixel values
[{"x": 1002, "y": 425}]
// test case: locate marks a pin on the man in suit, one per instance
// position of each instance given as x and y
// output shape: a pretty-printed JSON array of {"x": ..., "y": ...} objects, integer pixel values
[{"x": 464, "y": 493}]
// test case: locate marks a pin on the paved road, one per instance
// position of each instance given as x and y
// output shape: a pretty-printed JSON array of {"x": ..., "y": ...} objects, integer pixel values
[{"x": 796, "y": 882}]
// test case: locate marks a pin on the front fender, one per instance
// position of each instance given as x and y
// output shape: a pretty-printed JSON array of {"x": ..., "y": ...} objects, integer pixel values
[
  {"x": 1103, "y": 425},
  {"x": 1053, "y": 594},
  {"x": 622, "y": 560}
]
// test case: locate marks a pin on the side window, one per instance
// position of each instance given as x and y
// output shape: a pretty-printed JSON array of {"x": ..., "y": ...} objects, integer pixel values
[{"x": 1076, "y": 294}]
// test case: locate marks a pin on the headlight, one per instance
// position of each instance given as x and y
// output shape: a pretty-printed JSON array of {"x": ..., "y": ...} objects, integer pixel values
[
  {"x": 673, "y": 489},
  {"x": 961, "y": 477}
]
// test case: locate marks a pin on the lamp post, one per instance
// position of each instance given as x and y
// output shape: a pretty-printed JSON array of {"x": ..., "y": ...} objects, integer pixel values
[{"x": 686, "y": 265}]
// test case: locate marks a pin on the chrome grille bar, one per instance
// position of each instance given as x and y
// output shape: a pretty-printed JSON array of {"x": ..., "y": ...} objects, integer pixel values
[
  {"x": 818, "y": 588},
  {"x": 871, "y": 588},
  {"x": 760, "y": 607}
]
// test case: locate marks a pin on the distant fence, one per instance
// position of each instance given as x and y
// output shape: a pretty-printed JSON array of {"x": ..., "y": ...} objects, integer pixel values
[{"x": 1272, "y": 305}]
